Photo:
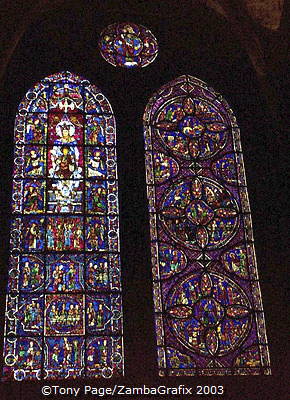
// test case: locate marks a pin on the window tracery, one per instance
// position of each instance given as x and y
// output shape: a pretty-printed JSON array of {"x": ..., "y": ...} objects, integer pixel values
[{"x": 208, "y": 310}]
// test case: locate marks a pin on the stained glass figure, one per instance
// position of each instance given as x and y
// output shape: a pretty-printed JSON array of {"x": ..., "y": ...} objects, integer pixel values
[
  {"x": 208, "y": 310},
  {"x": 64, "y": 308},
  {"x": 128, "y": 45}
]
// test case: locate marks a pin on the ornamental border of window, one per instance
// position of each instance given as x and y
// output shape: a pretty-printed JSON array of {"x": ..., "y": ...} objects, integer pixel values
[
  {"x": 85, "y": 336},
  {"x": 205, "y": 277}
]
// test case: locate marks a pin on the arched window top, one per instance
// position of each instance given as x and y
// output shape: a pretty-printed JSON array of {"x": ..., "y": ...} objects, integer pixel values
[
  {"x": 51, "y": 94},
  {"x": 187, "y": 84},
  {"x": 64, "y": 311},
  {"x": 200, "y": 118},
  {"x": 208, "y": 309},
  {"x": 72, "y": 97}
]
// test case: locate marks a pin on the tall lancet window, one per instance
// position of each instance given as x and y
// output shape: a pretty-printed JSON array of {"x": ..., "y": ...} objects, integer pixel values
[
  {"x": 208, "y": 310},
  {"x": 64, "y": 311}
]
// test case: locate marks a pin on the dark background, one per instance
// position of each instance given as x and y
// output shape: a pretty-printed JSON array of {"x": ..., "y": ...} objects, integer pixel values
[{"x": 195, "y": 41}]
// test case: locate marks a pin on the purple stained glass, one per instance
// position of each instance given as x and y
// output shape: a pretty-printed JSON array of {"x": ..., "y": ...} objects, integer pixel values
[
  {"x": 208, "y": 311},
  {"x": 128, "y": 45},
  {"x": 64, "y": 284}
]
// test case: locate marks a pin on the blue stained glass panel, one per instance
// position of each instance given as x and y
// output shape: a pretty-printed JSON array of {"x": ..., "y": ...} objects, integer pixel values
[{"x": 64, "y": 305}]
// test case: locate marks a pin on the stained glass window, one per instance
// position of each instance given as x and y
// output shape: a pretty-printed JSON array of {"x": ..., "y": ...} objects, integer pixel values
[
  {"x": 208, "y": 311},
  {"x": 128, "y": 45},
  {"x": 64, "y": 312}
]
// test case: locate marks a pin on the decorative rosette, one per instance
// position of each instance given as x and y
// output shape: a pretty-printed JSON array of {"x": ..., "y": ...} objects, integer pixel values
[
  {"x": 191, "y": 128},
  {"x": 128, "y": 45}
]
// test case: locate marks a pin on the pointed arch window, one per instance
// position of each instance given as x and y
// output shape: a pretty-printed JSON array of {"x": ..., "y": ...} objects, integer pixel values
[
  {"x": 64, "y": 308},
  {"x": 208, "y": 310}
]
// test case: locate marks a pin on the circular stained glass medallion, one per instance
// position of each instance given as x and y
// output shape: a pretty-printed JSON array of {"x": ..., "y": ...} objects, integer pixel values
[
  {"x": 128, "y": 45},
  {"x": 200, "y": 213},
  {"x": 191, "y": 128},
  {"x": 209, "y": 313}
]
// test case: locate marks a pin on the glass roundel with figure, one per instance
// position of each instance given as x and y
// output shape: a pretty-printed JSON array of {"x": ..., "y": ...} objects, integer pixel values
[
  {"x": 63, "y": 306},
  {"x": 128, "y": 45},
  {"x": 208, "y": 310}
]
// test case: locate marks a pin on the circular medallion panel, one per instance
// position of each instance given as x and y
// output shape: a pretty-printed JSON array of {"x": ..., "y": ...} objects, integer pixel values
[
  {"x": 191, "y": 128},
  {"x": 128, "y": 45},
  {"x": 208, "y": 313},
  {"x": 199, "y": 213}
]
